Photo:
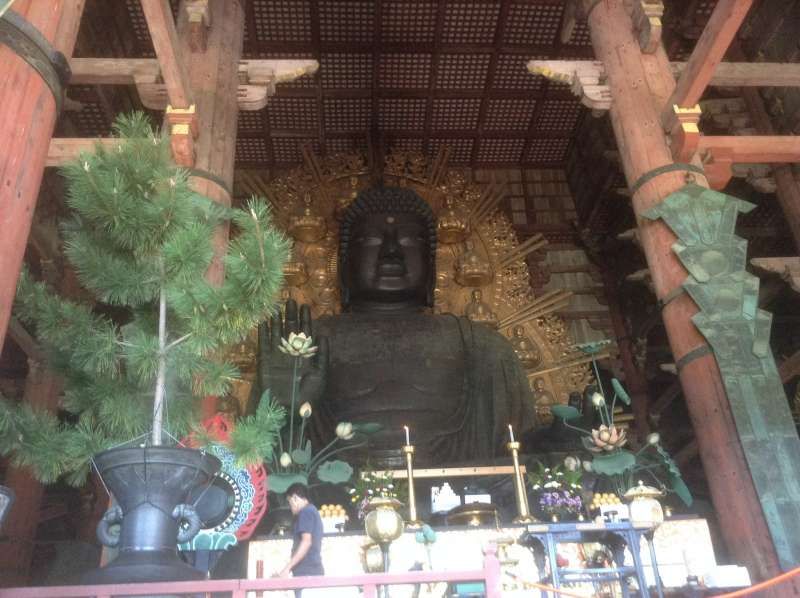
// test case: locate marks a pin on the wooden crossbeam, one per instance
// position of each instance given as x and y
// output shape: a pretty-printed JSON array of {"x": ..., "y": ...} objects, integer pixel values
[
  {"x": 757, "y": 149},
  {"x": 257, "y": 78},
  {"x": 25, "y": 341},
  {"x": 113, "y": 71},
  {"x": 749, "y": 74},
  {"x": 64, "y": 149},
  {"x": 727, "y": 74},
  {"x": 165, "y": 41},
  {"x": 707, "y": 54}
]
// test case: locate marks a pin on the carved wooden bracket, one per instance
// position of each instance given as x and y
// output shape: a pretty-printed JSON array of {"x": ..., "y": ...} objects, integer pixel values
[
  {"x": 646, "y": 15},
  {"x": 685, "y": 133},
  {"x": 199, "y": 22},
  {"x": 718, "y": 166},
  {"x": 257, "y": 80},
  {"x": 586, "y": 79},
  {"x": 183, "y": 132}
]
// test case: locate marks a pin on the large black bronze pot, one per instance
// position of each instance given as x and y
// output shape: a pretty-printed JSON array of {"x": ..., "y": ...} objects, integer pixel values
[{"x": 151, "y": 487}]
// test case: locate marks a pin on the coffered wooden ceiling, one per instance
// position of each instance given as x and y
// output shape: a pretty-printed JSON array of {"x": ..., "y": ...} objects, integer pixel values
[{"x": 417, "y": 73}]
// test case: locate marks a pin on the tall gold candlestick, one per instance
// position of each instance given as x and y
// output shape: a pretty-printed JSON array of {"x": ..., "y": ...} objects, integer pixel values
[
  {"x": 523, "y": 515},
  {"x": 413, "y": 522}
]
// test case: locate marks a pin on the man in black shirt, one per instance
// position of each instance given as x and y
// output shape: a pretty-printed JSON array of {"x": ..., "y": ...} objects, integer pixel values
[{"x": 307, "y": 536}]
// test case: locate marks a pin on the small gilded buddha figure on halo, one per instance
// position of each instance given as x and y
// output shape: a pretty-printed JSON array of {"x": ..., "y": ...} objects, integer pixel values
[
  {"x": 479, "y": 312},
  {"x": 527, "y": 351},
  {"x": 452, "y": 227},
  {"x": 472, "y": 269},
  {"x": 307, "y": 225}
]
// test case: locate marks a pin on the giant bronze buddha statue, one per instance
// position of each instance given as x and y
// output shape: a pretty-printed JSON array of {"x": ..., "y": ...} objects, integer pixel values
[{"x": 386, "y": 358}]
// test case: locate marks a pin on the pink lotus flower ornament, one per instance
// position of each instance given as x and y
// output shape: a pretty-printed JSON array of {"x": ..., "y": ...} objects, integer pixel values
[{"x": 607, "y": 438}]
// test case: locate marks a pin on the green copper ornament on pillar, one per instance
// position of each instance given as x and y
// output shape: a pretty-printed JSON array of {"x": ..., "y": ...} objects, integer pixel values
[{"x": 738, "y": 332}]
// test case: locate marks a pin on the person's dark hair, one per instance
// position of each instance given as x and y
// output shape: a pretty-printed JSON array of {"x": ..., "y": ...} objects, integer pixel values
[
  {"x": 297, "y": 489},
  {"x": 378, "y": 200}
]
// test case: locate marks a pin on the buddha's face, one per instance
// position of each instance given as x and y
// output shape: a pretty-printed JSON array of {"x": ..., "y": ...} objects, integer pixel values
[{"x": 388, "y": 259}]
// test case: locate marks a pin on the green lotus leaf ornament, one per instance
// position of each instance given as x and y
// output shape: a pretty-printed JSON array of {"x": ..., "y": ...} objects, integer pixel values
[
  {"x": 622, "y": 394},
  {"x": 334, "y": 472},
  {"x": 566, "y": 412},
  {"x": 614, "y": 463}
]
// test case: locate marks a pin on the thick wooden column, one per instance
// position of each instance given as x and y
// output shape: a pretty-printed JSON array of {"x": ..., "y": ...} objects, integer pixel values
[
  {"x": 27, "y": 118},
  {"x": 213, "y": 78},
  {"x": 643, "y": 147},
  {"x": 42, "y": 389}
]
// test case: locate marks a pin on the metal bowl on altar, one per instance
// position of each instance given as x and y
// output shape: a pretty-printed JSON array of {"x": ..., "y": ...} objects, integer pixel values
[{"x": 473, "y": 514}]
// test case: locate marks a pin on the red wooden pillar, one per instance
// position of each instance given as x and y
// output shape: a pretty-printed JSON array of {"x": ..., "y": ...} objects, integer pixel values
[
  {"x": 213, "y": 77},
  {"x": 643, "y": 147},
  {"x": 42, "y": 389},
  {"x": 27, "y": 118}
]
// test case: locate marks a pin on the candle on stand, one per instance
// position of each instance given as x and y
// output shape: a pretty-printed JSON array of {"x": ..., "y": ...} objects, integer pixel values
[
  {"x": 408, "y": 438},
  {"x": 511, "y": 432}
]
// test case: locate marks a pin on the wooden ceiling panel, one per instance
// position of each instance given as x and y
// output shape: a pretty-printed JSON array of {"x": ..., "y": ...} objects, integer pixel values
[
  {"x": 347, "y": 114},
  {"x": 511, "y": 72},
  {"x": 580, "y": 35},
  {"x": 289, "y": 113},
  {"x": 345, "y": 71},
  {"x": 470, "y": 22},
  {"x": 502, "y": 150},
  {"x": 423, "y": 72},
  {"x": 533, "y": 23},
  {"x": 408, "y": 22},
  {"x": 282, "y": 20},
  {"x": 251, "y": 122},
  {"x": 289, "y": 150},
  {"x": 558, "y": 116},
  {"x": 401, "y": 113},
  {"x": 409, "y": 144},
  {"x": 92, "y": 120},
  {"x": 547, "y": 151},
  {"x": 139, "y": 28},
  {"x": 252, "y": 150},
  {"x": 460, "y": 149},
  {"x": 456, "y": 113},
  {"x": 509, "y": 114},
  {"x": 462, "y": 71},
  {"x": 346, "y": 21},
  {"x": 409, "y": 71},
  {"x": 336, "y": 145}
]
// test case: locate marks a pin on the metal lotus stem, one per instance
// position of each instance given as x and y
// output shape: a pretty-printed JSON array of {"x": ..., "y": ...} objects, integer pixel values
[
  {"x": 523, "y": 515},
  {"x": 413, "y": 522}
]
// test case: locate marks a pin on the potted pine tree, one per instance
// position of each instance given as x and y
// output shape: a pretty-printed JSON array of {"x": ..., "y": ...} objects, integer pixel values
[{"x": 134, "y": 362}]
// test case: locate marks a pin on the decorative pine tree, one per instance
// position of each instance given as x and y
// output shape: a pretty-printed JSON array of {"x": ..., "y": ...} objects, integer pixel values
[{"x": 140, "y": 240}]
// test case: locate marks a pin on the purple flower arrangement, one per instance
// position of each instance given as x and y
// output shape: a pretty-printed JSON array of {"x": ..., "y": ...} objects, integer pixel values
[
  {"x": 557, "y": 489},
  {"x": 561, "y": 503}
]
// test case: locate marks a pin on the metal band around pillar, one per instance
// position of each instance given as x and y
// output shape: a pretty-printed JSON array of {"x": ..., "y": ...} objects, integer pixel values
[
  {"x": 651, "y": 174},
  {"x": 695, "y": 353},
  {"x": 204, "y": 174},
  {"x": 28, "y": 43},
  {"x": 673, "y": 294}
]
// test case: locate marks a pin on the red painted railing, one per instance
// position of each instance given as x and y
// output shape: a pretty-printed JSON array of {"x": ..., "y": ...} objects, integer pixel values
[{"x": 238, "y": 588}]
